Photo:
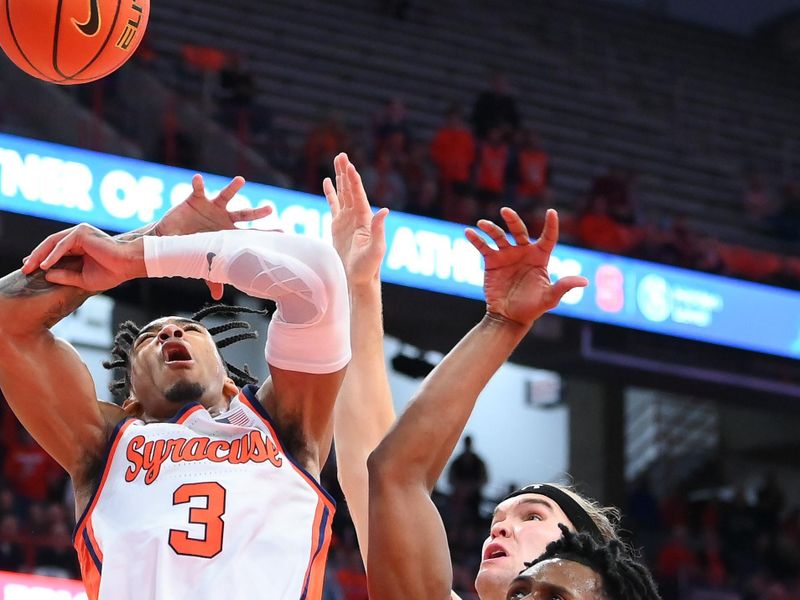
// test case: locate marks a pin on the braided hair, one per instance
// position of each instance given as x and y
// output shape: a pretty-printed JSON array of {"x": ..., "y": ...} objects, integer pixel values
[
  {"x": 129, "y": 331},
  {"x": 624, "y": 577}
]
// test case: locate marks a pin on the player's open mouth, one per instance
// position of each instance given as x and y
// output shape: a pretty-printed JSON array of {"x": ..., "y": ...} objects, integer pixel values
[
  {"x": 176, "y": 354},
  {"x": 494, "y": 551}
]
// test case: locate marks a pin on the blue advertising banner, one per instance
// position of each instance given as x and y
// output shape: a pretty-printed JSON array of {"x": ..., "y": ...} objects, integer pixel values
[{"x": 119, "y": 194}]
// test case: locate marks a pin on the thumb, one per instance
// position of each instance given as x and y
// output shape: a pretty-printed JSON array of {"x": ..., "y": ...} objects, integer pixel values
[
  {"x": 216, "y": 289},
  {"x": 378, "y": 225},
  {"x": 565, "y": 284},
  {"x": 66, "y": 277}
]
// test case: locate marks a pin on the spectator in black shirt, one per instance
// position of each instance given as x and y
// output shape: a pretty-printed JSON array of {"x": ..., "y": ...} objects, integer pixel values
[{"x": 495, "y": 107}]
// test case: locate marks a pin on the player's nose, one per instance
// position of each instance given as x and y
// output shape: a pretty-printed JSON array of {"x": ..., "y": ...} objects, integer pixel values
[
  {"x": 168, "y": 331},
  {"x": 500, "y": 529}
]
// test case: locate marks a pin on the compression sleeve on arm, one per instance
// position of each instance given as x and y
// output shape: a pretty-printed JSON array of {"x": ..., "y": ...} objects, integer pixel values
[{"x": 310, "y": 331}]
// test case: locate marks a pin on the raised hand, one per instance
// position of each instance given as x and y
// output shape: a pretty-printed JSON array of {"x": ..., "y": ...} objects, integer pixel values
[
  {"x": 200, "y": 213},
  {"x": 358, "y": 235},
  {"x": 105, "y": 261},
  {"x": 516, "y": 282}
]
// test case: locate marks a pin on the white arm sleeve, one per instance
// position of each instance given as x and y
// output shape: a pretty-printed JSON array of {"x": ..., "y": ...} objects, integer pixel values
[{"x": 310, "y": 331}]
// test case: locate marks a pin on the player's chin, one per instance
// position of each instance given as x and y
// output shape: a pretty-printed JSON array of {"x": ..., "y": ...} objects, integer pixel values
[
  {"x": 493, "y": 579},
  {"x": 184, "y": 391}
]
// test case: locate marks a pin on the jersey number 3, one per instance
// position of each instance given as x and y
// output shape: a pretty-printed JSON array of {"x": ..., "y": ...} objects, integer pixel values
[{"x": 209, "y": 516}]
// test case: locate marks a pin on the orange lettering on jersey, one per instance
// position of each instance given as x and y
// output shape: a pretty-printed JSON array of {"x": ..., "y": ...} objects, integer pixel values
[
  {"x": 151, "y": 456},
  {"x": 214, "y": 448},
  {"x": 155, "y": 453},
  {"x": 134, "y": 457},
  {"x": 196, "y": 449}
]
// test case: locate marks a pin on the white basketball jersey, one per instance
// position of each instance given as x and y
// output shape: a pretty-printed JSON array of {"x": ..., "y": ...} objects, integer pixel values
[{"x": 204, "y": 508}]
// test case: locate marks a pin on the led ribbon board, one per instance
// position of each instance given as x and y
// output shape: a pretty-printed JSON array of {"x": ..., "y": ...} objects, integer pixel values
[
  {"x": 72, "y": 185},
  {"x": 15, "y": 586}
]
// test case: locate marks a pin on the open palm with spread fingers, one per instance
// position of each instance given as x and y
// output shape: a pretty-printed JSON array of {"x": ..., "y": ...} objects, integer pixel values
[
  {"x": 516, "y": 282},
  {"x": 197, "y": 214},
  {"x": 358, "y": 235},
  {"x": 200, "y": 213}
]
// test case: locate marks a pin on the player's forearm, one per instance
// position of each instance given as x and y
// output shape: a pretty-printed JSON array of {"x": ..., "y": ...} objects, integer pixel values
[
  {"x": 364, "y": 411},
  {"x": 366, "y": 399},
  {"x": 422, "y": 440},
  {"x": 30, "y": 304},
  {"x": 310, "y": 331}
]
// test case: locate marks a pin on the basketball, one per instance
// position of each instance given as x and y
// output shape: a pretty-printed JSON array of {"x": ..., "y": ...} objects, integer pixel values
[{"x": 71, "y": 41}]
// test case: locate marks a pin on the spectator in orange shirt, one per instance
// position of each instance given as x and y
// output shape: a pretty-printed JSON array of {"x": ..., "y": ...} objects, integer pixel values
[
  {"x": 676, "y": 562},
  {"x": 531, "y": 171},
  {"x": 596, "y": 229},
  {"x": 453, "y": 151},
  {"x": 494, "y": 156}
]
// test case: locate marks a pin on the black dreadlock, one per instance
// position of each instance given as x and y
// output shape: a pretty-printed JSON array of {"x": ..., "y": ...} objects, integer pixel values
[
  {"x": 129, "y": 331},
  {"x": 624, "y": 577}
]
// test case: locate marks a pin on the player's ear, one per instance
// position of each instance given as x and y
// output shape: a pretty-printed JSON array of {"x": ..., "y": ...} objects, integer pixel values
[
  {"x": 133, "y": 407},
  {"x": 229, "y": 388}
]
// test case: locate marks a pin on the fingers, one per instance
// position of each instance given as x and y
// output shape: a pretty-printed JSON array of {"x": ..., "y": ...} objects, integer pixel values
[
  {"x": 331, "y": 196},
  {"x": 356, "y": 188},
  {"x": 547, "y": 241},
  {"x": 65, "y": 277},
  {"x": 230, "y": 190},
  {"x": 342, "y": 185},
  {"x": 217, "y": 290},
  {"x": 35, "y": 258},
  {"x": 516, "y": 226},
  {"x": 477, "y": 240},
  {"x": 198, "y": 186},
  {"x": 565, "y": 284},
  {"x": 495, "y": 232},
  {"x": 61, "y": 249},
  {"x": 250, "y": 214}
]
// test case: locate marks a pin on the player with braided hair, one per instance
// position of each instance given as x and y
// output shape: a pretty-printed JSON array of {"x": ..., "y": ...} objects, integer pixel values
[
  {"x": 194, "y": 488},
  {"x": 579, "y": 567},
  {"x": 129, "y": 331}
]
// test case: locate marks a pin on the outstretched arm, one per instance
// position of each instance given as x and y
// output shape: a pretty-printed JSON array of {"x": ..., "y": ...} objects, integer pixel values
[
  {"x": 43, "y": 379},
  {"x": 364, "y": 410},
  {"x": 408, "y": 552}
]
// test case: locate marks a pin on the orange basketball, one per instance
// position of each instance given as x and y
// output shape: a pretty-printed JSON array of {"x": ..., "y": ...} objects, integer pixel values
[{"x": 71, "y": 41}]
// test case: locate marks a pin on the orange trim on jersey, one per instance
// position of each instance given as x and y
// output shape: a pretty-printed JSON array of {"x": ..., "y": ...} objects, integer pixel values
[
  {"x": 89, "y": 571},
  {"x": 315, "y": 485},
  {"x": 96, "y": 496},
  {"x": 185, "y": 416},
  {"x": 93, "y": 540},
  {"x": 314, "y": 578}
]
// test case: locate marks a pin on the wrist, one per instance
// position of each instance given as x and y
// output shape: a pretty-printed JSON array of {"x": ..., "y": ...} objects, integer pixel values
[
  {"x": 502, "y": 322},
  {"x": 134, "y": 250},
  {"x": 364, "y": 286}
]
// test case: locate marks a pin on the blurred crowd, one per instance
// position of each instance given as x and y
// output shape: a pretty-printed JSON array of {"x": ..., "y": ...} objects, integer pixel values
[
  {"x": 479, "y": 158},
  {"x": 486, "y": 157}
]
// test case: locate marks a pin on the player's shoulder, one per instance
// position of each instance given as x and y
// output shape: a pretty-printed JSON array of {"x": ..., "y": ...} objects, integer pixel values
[{"x": 86, "y": 476}]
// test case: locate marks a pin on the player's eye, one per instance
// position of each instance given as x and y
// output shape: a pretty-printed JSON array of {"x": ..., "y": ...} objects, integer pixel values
[
  {"x": 142, "y": 338},
  {"x": 516, "y": 592}
]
